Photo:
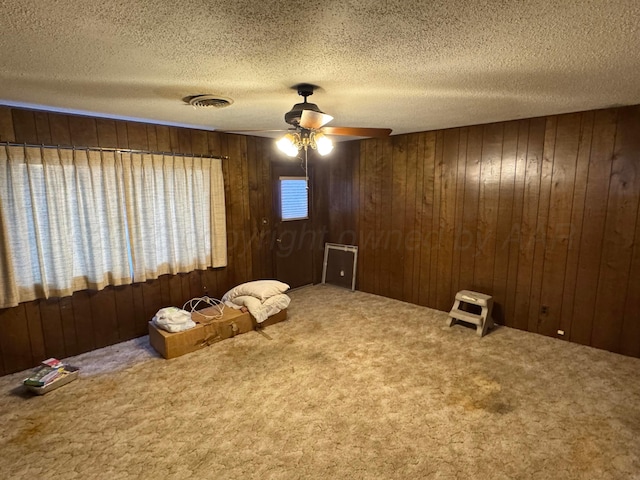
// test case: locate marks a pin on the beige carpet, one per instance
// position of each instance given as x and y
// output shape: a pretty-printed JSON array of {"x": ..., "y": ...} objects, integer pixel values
[{"x": 352, "y": 386}]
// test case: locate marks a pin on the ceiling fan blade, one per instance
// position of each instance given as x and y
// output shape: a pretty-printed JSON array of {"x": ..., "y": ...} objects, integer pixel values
[
  {"x": 313, "y": 120},
  {"x": 255, "y": 130},
  {"x": 357, "y": 132}
]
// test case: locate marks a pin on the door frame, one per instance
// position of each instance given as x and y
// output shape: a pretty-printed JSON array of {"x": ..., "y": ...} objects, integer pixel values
[{"x": 291, "y": 169}]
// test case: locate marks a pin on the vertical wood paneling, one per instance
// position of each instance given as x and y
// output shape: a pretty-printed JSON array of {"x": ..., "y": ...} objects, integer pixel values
[
  {"x": 185, "y": 288},
  {"x": 617, "y": 246},
  {"x": 232, "y": 176},
  {"x": 467, "y": 239},
  {"x": 152, "y": 138},
  {"x": 597, "y": 191},
  {"x": 125, "y": 312},
  {"x": 137, "y": 136},
  {"x": 446, "y": 227},
  {"x": 122, "y": 134},
  {"x": 541, "y": 224},
  {"x": 42, "y": 128},
  {"x": 254, "y": 190},
  {"x": 14, "y": 339},
  {"x": 417, "y": 219},
  {"x": 52, "y": 329},
  {"x": 527, "y": 228},
  {"x": 83, "y": 321},
  {"x": 355, "y": 203},
  {"x": 539, "y": 213},
  {"x": 366, "y": 267},
  {"x": 199, "y": 142},
  {"x": 266, "y": 155},
  {"x": 362, "y": 202},
  {"x": 7, "y": 133},
  {"x": 410, "y": 240},
  {"x": 193, "y": 284},
  {"x": 396, "y": 244},
  {"x": 386, "y": 202},
  {"x": 630, "y": 341},
  {"x": 152, "y": 298},
  {"x": 513, "y": 237},
  {"x": 428, "y": 212},
  {"x": 378, "y": 231},
  {"x": 337, "y": 190},
  {"x": 107, "y": 133},
  {"x": 68, "y": 326},
  {"x": 176, "y": 297},
  {"x": 459, "y": 209},
  {"x": 342, "y": 211},
  {"x": 140, "y": 318},
  {"x": 237, "y": 221},
  {"x": 60, "y": 131},
  {"x": 434, "y": 232},
  {"x": 104, "y": 314},
  {"x": 319, "y": 183},
  {"x": 83, "y": 131},
  {"x": 488, "y": 200},
  {"x": 163, "y": 138},
  {"x": 558, "y": 230},
  {"x": 24, "y": 126},
  {"x": 34, "y": 324},
  {"x": 166, "y": 295},
  {"x": 184, "y": 141},
  {"x": 261, "y": 212},
  {"x": 577, "y": 214},
  {"x": 503, "y": 225}
]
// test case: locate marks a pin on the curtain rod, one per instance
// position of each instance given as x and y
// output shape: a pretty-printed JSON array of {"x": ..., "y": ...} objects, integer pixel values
[{"x": 109, "y": 149}]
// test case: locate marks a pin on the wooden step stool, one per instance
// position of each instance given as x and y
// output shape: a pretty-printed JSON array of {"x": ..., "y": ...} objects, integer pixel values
[{"x": 483, "y": 320}]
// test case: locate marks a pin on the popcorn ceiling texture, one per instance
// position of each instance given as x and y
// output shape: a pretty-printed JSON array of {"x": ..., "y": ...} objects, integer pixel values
[
  {"x": 352, "y": 386},
  {"x": 406, "y": 65}
]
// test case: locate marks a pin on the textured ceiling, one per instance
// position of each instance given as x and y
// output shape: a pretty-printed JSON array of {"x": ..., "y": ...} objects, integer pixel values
[{"x": 406, "y": 65}]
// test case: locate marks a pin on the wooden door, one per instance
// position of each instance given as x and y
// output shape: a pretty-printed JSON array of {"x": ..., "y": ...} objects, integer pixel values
[{"x": 294, "y": 233}]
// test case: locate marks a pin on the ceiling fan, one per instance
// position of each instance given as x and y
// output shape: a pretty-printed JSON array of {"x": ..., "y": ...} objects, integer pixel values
[{"x": 309, "y": 130}]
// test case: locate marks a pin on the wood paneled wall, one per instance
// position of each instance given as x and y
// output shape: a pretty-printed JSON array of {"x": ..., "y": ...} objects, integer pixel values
[
  {"x": 89, "y": 319},
  {"x": 543, "y": 214}
]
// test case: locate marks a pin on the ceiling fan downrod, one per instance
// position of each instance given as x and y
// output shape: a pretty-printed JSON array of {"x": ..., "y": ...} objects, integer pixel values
[{"x": 293, "y": 116}]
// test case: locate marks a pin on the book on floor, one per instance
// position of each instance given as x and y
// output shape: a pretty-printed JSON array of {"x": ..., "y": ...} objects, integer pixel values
[{"x": 43, "y": 375}]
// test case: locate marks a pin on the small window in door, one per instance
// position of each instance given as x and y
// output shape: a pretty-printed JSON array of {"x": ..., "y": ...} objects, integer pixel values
[{"x": 294, "y": 198}]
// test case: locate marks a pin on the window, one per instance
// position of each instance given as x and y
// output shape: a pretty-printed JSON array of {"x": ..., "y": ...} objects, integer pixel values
[
  {"x": 78, "y": 219},
  {"x": 294, "y": 198}
]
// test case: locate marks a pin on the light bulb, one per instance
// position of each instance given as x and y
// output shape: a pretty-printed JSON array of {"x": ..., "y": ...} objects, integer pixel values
[
  {"x": 288, "y": 145},
  {"x": 323, "y": 143}
]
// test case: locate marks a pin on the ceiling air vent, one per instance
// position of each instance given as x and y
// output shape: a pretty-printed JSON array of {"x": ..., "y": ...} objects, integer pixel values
[{"x": 207, "y": 101}]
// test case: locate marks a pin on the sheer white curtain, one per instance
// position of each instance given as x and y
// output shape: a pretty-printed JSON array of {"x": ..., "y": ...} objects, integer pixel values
[
  {"x": 73, "y": 220},
  {"x": 176, "y": 213},
  {"x": 62, "y": 224}
]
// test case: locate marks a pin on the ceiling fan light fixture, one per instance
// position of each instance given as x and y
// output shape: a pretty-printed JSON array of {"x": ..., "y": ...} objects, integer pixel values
[
  {"x": 289, "y": 144},
  {"x": 323, "y": 144}
]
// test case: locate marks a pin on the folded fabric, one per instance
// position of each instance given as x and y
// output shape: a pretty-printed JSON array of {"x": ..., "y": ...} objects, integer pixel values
[
  {"x": 258, "y": 309},
  {"x": 260, "y": 289},
  {"x": 173, "y": 319}
]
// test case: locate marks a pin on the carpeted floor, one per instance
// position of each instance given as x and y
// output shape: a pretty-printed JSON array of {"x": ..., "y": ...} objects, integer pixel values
[{"x": 352, "y": 386}]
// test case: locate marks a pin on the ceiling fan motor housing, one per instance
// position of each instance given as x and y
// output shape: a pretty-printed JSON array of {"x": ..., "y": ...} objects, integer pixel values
[{"x": 292, "y": 117}]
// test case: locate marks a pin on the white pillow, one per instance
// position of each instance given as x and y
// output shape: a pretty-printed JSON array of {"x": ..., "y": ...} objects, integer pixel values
[
  {"x": 261, "y": 310},
  {"x": 260, "y": 289}
]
